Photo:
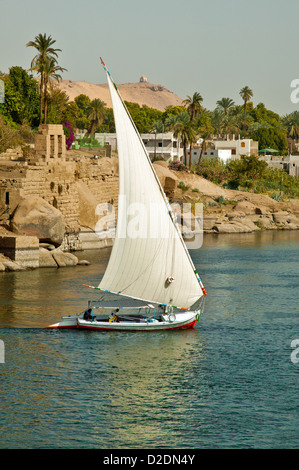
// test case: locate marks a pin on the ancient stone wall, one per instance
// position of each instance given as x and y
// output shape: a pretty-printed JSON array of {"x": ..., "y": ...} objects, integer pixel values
[{"x": 73, "y": 182}]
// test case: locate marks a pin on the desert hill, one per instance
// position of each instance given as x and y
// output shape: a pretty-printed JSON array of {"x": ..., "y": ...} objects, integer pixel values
[{"x": 154, "y": 96}]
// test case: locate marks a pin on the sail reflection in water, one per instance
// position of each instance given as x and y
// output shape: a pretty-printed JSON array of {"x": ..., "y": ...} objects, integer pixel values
[{"x": 146, "y": 387}]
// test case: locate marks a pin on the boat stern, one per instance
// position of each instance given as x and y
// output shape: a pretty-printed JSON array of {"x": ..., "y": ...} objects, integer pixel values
[{"x": 66, "y": 322}]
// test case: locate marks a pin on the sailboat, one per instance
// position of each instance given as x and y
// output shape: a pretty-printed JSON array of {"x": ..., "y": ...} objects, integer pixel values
[{"x": 150, "y": 276}]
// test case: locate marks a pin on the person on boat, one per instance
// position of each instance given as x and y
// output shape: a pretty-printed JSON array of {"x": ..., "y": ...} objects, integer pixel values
[
  {"x": 114, "y": 316},
  {"x": 88, "y": 314}
]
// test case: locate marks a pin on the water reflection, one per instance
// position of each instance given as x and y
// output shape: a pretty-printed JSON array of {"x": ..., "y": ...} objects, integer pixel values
[
  {"x": 149, "y": 377},
  {"x": 107, "y": 390},
  {"x": 206, "y": 387},
  {"x": 39, "y": 297},
  {"x": 254, "y": 239}
]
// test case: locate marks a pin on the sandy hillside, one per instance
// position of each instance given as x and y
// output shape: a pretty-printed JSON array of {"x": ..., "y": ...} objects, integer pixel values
[{"x": 154, "y": 96}]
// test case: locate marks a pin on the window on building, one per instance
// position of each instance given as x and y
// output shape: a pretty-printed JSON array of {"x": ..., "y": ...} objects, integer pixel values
[
  {"x": 7, "y": 198},
  {"x": 242, "y": 144}
]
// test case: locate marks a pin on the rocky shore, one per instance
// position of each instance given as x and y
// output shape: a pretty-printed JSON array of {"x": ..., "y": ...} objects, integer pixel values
[
  {"x": 229, "y": 211},
  {"x": 37, "y": 237},
  {"x": 48, "y": 258}
]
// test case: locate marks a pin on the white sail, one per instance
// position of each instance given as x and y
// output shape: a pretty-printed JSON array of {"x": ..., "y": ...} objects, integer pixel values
[{"x": 149, "y": 259}]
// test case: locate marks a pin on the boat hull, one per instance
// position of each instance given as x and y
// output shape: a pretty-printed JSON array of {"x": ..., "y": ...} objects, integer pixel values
[
  {"x": 70, "y": 322},
  {"x": 182, "y": 321}
]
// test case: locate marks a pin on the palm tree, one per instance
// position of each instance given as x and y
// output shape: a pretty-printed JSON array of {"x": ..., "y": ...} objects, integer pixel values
[
  {"x": 194, "y": 108},
  {"x": 291, "y": 124},
  {"x": 183, "y": 129},
  {"x": 205, "y": 130},
  {"x": 58, "y": 104},
  {"x": 225, "y": 104},
  {"x": 157, "y": 127},
  {"x": 193, "y": 105},
  {"x": 51, "y": 72},
  {"x": 170, "y": 124},
  {"x": 246, "y": 93},
  {"x": 217, "y": 120},
  {"x": 43, "y": 45},
  {"x": 96, "y": 115}
]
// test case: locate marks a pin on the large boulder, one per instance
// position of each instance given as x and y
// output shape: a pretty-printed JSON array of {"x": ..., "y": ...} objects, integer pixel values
[
  {"x": 35, "y": 217},
  {"x": 46, "y": 259},
  {"x": 243, "y": 225},
  {"x": 246, "y": 207},
  {"x": 64, "y": 259}
]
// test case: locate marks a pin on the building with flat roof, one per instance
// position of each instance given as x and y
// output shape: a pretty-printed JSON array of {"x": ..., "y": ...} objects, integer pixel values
[
  {"x": 163, "y": 145},
  {"x": 289, "y": 164},
  {"x": 237, "y": 147},
  {"x": 160, "y": 145}
]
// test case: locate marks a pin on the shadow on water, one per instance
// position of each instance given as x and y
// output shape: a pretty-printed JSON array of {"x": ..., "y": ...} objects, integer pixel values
[{"x": 37, "y": 298}]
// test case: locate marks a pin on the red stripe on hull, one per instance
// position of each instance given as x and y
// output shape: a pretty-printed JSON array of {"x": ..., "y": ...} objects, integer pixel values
[{"x": 182, "y": 327}]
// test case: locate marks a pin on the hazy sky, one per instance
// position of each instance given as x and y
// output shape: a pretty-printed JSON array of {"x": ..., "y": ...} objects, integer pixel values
[{"x": 215, "y": 47}]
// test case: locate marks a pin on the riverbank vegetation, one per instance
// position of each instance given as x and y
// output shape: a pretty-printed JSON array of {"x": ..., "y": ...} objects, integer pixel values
[{"x": 249, "y": 174}]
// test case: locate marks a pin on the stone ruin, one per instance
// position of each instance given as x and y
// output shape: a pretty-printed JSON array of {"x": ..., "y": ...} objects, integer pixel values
[
  {"x": 49, "y": 144},
  {"x": 72, "y": 183}
]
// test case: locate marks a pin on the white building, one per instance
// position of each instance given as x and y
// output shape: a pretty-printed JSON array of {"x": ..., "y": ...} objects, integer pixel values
[
  {"x": 225, "y": 149},
  {"x": 237, "y": 147},
  {"x": 223, "y": 154},
  {"x": 289, "y": 164},
  {"x": 106, "y": 138},
  {"x": 162, "y": 145}
]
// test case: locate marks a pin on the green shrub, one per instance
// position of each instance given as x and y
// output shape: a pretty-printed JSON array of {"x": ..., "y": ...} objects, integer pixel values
[
  {"x": 250, "y": 174},
  {"x": 183, "y": 186}
]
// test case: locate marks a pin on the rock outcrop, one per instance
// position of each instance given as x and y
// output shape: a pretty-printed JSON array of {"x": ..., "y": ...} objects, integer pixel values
[
  {"x": 35, "y": 217},
  {"x": 167, "y": 178},
  {"x": 230, "y": 211},
  {"x": 56, "y": 258}
]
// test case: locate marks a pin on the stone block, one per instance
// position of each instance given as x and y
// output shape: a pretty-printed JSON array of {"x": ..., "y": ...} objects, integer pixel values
[{"x": 21, "y": 249}]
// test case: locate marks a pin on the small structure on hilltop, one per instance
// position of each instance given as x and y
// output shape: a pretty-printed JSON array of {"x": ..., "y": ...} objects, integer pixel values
[{"x": 143, "y": 79}]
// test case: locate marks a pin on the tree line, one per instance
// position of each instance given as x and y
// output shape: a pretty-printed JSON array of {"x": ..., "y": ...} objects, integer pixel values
[{"x": 30, "y": 102}]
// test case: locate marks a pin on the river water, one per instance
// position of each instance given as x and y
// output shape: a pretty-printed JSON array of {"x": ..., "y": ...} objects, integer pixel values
[{"x": 228, "y": 383}]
